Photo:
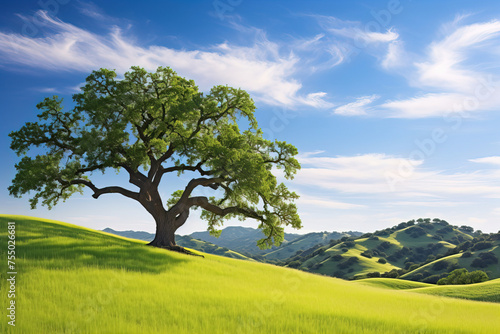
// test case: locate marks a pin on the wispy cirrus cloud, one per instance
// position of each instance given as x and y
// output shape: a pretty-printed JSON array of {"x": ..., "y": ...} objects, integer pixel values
[
  {"x": 324, "y": 202},
  {"x": 260, "y": 68},
  {"x": 493, "y": 160},
  {"x": 356, "y": 108},
  {"x": 355, "y": 31},
  {"x": 398, "y": 179},
  {"x": 458, "y": 73},
  {"x": 446, "y": 66}
]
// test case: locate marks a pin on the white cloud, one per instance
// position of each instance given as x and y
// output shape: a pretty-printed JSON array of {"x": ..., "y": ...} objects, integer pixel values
[
  {"x": 444, "y": 68},
  {"x": 260, "y": 68},
  {"x": 457, "y": 74},
  {"x": 365, "y": 36},
  {"x": 48, "y": 90},
  {"x": 494, "y": 160},
  {"x": 346, "y": 39},
  {"x": 356, "y": 108},
  {"x": 428, "y": 105},
  {"x": 396, "y": 56},
  {"x": 326, "y": 203},
  {"x": 355, "y": 31},
  {"x": 397, "y": 179}
]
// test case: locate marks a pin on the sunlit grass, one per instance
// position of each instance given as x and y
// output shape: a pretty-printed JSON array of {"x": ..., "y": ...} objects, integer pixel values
[
  {"x": 75, "y": 280},
  {"x": 486, "y": 291},
  {"x": 395, "y": 284}
]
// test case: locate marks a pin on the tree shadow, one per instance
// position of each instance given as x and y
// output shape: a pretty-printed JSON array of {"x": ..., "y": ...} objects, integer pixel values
[{"x": 49, "y": 245}]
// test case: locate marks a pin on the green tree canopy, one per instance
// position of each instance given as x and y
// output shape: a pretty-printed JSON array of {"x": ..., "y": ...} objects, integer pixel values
[
  {"x": 149, "y": 124},
  {"x": 463, "y": 276}
]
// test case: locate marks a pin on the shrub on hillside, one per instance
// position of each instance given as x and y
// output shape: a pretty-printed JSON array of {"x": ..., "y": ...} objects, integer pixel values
[
  {"x": 415, "y": 231},
  {"x": 374, "y": 274},
  {"x": 391, "y": 274},
  {"x": 337, "y": 257},
  {"x": 382, "y": 260},
  {"x": 445, "y": 230},
  {"x": 417, "y": 277},
  {"x": 466, "y": 229},
  {"x": 482, "y": 245},
  {"x": 413, "y": 267},
  {"x": 348, "y": 244},
  {"x": 384, "y": 245},
  {"x": 392, "y": 258},
  {"x": 320, "y": 251},
  {"x": 367, "y": 253},
  {"x": 463, "y": 276},
  {"x": 484, "y": 260},
  {"x": 466, "y": 254},
  {"x": 294, "y": 264},
  {"x": 339, "y": 274},
  {"x": 440, "y": 265}
]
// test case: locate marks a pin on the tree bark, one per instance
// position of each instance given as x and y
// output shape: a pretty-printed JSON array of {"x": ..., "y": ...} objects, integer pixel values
[{"x": 165, "y": 231}]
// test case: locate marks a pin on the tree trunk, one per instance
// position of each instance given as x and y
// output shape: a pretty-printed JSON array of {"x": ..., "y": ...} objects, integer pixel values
[{"x": 165, "y": 232}]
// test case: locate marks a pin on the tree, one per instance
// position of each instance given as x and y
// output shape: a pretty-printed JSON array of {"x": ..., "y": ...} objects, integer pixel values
[
  {"x": 149, "y": 125},
  {"x": 463, "y": 276}
]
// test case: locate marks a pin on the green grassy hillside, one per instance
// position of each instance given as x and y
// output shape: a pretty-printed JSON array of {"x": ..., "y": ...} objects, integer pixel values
[
  {"x": 445, "y": 265},
  {"x": 75, "y": 280},
  {"x": 303, "y": 243},
  {"x": 486, "y": 291},
  {"x": 396, "y": 248},
  {"x": 240, "y": 239},
  {"x": 183, "y": 241},
  {"x": 394, "y": 284}
]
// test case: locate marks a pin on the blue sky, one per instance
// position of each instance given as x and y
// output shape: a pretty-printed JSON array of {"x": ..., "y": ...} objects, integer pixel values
[{"x": 393, "y": 105}]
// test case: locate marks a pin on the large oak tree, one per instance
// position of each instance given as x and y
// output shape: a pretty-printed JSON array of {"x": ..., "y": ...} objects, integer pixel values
[{"x": 149, "y": 124}]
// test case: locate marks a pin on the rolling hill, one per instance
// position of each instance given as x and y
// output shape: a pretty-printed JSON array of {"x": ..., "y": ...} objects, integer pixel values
[
  {"x": 184, "y": 241},
  {"x": 76, "y": 280},
  {"x": 306, "y": 242},
  {"x": 240, "y": 239},
  {"x": 477, "y": 254},
  {"x": 244, "y": 240},
  {"x": 486, "y": 291},
  {"x": 403, "y": 248}
]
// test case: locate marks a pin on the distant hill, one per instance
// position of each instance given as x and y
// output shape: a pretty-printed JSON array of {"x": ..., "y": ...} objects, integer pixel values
[
  {"x": 305, "y": 242},
  {"x": 241, "y": 239},
  {"x": 400, "y": 251},
  {"x": 184, "y": 241},
  {"x": 480, "y": 253},
  {"x": 244, "y": 240},
  {"x": 140, "y": 235}
]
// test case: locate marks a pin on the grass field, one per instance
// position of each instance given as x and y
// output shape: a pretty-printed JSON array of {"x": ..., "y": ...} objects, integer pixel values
[
  {"x": 75, "y": 280},
  {"x": 487, "y": 291},
  {"x": 394, "y": 284}
]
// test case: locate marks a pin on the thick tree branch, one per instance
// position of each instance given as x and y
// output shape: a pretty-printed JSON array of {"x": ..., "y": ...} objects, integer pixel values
[
  {"x": 135, "y": 177},
  {"x": 100, "y": 191},
  {"x": 89, "y": 169},
  {"x": 181, "y": 218},
  {"x": 202, "y": 181},
  {"x": 205, "y": 204},
  {"x": 170, "y": 151},
  {"x": 198, "y": 168}
]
